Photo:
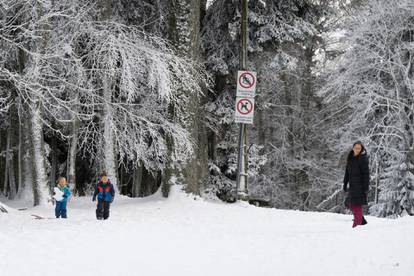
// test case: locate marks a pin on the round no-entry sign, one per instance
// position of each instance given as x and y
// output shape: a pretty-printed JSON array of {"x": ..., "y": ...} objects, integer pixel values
[
  {"x": 247, "y": 80},
  {"x": 244, "y": 106}
]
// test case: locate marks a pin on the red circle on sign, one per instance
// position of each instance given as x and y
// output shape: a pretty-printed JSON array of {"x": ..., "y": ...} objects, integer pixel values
[
  {"x": 250, "y": 85},
  {"x": 241, "y": 105}
]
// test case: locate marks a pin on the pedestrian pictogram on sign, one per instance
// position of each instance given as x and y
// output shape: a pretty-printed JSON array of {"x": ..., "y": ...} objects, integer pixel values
[
  {"x": 244, "y": 110},
  {"x": 246, "y": 84}
]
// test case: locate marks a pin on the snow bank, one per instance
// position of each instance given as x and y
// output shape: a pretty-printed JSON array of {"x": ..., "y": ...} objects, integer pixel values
[{"x": 186, "y": 235}]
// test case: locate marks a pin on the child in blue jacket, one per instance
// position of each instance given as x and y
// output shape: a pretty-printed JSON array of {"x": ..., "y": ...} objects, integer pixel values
[
  {"x": 62, "y": 193},
  {"x": 105, "y": 192}
]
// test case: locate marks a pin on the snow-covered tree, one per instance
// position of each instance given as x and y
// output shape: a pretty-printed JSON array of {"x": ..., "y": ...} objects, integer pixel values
[
  {"x": 103, "y": 86},
  {"x": 370, "y": 95}
]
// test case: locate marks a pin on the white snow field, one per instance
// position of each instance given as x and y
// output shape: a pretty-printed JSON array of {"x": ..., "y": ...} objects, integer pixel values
[{"x": 186, "y": 235}]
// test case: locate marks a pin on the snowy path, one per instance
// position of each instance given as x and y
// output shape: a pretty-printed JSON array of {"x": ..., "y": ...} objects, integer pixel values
[{"x": 182, "y": 236}]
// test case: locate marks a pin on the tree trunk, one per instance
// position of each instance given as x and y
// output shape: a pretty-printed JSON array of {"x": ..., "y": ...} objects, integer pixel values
[
  {"x": 20, "y": 153},
  {"x": 40, "y": 187},
  {"x": 260, "y": 126},
  {"x": 306, "y": 113},
  {"x": 21, "y": 61},
  {"x": 12, "y": 179},
  {"x": 1, "y": 164},
  {"x": 137, "y": 182},
  {"x": 6, "y": 187},
  {"x": 108, "y": 137},
  {"x": 186, "y": 32},
  {"x": 13, "y": 155},
  {"x": 26, "y": 162},
  {"x": 9, "y": 188},
  {"x": 110, "y": 162},
  {"x": 71, "y": 169},
  {"x": 53, "y": 169},
  {"x": 40, "y": 183}
]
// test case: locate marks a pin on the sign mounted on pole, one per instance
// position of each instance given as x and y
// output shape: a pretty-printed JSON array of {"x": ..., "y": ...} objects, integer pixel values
[
  {"x": 244, "y": 110},
  {"x": 246, "y": 84},
  {"x": 246, "y": 90}
]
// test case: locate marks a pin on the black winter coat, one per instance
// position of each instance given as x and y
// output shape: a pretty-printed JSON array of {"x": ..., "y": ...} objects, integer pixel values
[{"x": 357, "y": 175}]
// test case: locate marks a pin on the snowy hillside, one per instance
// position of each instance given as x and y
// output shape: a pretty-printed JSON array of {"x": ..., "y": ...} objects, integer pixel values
[{"x": 185, "y": 235}]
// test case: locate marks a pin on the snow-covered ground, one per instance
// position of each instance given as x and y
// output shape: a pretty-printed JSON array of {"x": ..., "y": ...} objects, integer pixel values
[{"x": 185, "y": 235}]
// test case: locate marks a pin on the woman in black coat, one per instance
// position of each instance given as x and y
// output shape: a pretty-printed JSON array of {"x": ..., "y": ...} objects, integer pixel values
[{"x": 357, "y": 175}]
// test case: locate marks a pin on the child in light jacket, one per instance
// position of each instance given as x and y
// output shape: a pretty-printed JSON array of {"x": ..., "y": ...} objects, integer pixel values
[{"x": 62, "y": 193}]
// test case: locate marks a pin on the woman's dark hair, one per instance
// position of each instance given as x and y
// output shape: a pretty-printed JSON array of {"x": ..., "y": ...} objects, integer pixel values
[
  {"x": 351, "y": 153},
  {"x": 103, "y": 173}
]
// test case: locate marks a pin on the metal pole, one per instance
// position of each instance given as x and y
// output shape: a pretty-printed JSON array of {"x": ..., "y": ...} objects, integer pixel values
[
  {"x": 246, "y": 162},
  {"x": 241, "y": 188},
  {"x": 240, "y": 161},
  {"x": 376, "y": 184},
  {"x": 244, "y": 35}
]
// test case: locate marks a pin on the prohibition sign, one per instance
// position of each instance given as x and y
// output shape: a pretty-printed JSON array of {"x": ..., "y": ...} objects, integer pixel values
[
  {"x": 247, "y": 80},
  {"x": 244, "y": 106}
]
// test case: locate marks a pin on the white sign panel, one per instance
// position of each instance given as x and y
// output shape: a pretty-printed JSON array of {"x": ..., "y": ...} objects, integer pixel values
[
  {"x": 244, "y": 110},
  {"x": 246, "y": 84}
]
